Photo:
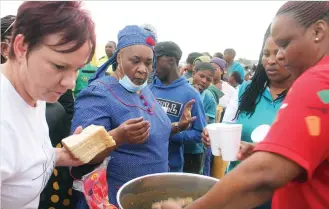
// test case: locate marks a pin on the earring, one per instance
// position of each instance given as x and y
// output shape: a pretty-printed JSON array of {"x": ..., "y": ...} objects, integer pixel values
[{"x": 316, "y": 38}]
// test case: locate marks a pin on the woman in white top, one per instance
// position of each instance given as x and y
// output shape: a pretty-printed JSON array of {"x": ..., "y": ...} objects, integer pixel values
[{"x": 50, "y": 41}]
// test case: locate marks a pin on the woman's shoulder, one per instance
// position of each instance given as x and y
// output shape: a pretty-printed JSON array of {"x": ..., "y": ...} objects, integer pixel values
[
  {"x": 209, "y": 95},
  {"x": 210, "y": 100},
  {"x": 98, "y": 87},
  {"x": 104, "y": 82}
]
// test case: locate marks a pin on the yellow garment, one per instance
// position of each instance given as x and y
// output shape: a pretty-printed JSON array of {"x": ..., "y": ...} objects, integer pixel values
[
  {"x": 94, "y": 61},
  {"x": 102, "y": 60},
  {"x": 219, "y": 165},
  {"x": 202, "y": 59}
]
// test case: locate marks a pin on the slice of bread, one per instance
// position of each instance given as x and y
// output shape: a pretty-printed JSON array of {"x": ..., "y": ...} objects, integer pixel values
[{"x": 89, "y": 143}]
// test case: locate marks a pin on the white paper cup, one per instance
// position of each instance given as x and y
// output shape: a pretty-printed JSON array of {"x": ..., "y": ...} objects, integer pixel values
[
  {"x": 214, "y": 139},
  {"x": 225, "y": 140}
]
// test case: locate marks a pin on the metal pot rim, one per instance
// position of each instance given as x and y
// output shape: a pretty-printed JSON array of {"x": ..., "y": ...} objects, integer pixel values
[{"x": 158, "y": 174}]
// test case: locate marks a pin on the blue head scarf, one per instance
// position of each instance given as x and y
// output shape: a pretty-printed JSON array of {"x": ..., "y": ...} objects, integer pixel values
[{"x": 129, "y": 36}]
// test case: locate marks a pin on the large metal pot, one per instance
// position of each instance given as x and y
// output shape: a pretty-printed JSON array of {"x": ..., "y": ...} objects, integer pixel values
[{"x": 141, "y": 192}]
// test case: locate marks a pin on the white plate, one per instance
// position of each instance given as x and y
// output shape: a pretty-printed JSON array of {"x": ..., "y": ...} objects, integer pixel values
[{"x": 260, "y": 132}]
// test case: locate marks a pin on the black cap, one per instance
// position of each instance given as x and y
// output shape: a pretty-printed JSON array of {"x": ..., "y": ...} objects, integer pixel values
[{"x": 168, "y": 48}]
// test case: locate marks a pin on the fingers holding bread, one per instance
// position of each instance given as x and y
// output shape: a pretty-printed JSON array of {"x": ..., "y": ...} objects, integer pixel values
[{"x": 88, "y": 143}]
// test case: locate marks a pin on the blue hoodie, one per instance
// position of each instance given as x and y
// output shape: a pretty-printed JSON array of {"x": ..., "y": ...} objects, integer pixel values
[{"x": 173, "y": 98}]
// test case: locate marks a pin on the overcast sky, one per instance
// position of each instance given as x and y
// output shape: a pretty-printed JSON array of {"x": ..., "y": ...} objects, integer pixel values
[{"x": 204, "y": 26}]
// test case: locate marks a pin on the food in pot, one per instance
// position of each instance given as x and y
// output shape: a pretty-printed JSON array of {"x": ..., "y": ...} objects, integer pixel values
[{"x": 183, "y": 202}]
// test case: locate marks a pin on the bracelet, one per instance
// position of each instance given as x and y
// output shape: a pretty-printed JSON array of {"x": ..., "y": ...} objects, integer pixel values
[{"x": 175, "y": 125}]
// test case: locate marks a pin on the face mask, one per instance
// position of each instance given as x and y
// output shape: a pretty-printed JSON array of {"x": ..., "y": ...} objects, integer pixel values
[
  {"x": 126, "y": 83},
  {"x": 130, "y": 86}
]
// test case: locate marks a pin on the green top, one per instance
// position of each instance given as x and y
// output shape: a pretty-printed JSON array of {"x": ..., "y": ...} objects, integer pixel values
[
  {"x": 84, "y": 75},
  {"x": 265, "y": 113},
  {"x": 216, "y": 93}
]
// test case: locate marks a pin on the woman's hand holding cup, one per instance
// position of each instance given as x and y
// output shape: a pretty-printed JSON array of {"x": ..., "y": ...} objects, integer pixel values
[
  {"x": 246, "y": 149},
  {"x": 205, "y": 137}
]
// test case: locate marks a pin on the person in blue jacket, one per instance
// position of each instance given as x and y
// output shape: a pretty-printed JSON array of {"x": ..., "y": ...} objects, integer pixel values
[
  {"x": 173, "y": 92},
  {"x": 122, "y": 101}
]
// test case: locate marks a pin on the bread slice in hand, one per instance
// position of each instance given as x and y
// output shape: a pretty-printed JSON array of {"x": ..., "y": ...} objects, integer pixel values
[{"x": 89, "y": 143}]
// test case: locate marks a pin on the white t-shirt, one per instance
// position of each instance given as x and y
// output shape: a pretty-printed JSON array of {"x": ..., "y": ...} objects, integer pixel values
[
  {"x": 27, "y": 156},
  {"x": 228, "y": 91},
  {"x": 232, "y": 108}
]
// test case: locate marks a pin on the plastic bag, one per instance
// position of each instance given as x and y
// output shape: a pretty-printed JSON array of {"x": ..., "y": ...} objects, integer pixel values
[{"x": 94, "y": 187}]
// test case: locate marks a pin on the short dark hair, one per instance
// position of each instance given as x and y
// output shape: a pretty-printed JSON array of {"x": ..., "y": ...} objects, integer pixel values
[
  {"x": 219, "y": 55},
  {"x": 204, "y": 66},
  {"x": 237, "y": 77},
  {"x": 7, "y": 26},
  {"x": 114, "y": 43},
  {"x": 306, "y": 12},
  {"x": 37, "y": 19},
  {"x": 230, "y": 51},
  {"x": 7, "y": 23},
  {"x": 192, "y": 56}
]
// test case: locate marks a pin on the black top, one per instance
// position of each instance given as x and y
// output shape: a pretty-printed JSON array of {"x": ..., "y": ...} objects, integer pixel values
[{"x": 58, "y": 191}]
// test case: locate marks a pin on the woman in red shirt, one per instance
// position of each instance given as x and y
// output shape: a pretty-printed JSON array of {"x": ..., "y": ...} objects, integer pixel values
[{"x": 292, "y": 163}]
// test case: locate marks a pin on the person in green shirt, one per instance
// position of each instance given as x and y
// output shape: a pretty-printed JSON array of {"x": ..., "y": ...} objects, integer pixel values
[
  {"x": 84, "y": 74},
  {"x": 203, "y": 74},
  {"x": 260, "y": 99}
]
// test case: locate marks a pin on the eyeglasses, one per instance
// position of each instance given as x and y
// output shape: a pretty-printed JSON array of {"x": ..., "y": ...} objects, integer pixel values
[{"x": 10, "y": 26}]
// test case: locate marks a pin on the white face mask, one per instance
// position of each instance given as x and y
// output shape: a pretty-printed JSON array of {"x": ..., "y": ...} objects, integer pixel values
[{"x": 126, "y": 83}]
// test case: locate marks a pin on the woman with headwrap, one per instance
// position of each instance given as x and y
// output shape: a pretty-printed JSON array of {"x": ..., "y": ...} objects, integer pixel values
[
  {"x": 292, "y": 163},
  {"x": 124, "y": 96}
]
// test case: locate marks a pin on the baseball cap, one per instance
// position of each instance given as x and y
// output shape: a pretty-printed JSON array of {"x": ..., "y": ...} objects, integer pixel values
[{"x": 168, "y": 48}]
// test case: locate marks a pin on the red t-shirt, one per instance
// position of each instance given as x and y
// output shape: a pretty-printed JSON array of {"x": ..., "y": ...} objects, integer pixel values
[{"x": 301, "y": 134}]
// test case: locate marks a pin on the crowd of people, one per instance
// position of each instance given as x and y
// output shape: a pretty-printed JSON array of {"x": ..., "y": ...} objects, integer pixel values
[{"x": 52, "y": 86}]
